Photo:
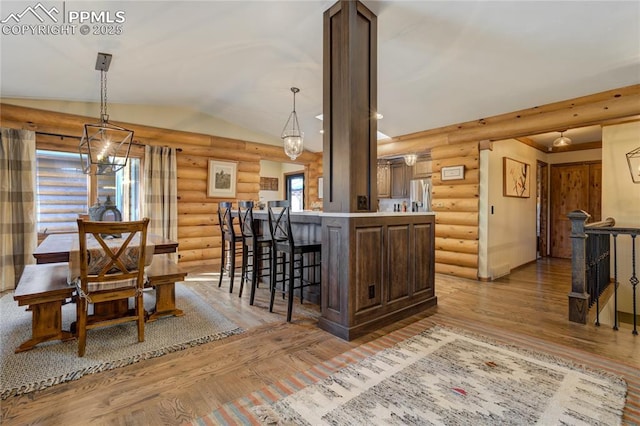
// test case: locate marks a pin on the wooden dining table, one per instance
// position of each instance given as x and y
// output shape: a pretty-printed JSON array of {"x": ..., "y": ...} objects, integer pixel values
[{"x": 57, "y": 247}]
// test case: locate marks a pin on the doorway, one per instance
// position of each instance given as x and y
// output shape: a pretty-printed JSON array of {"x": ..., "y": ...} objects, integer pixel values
[
  {"x": 294, "y": 188},
  {"x": 542, "y": 209}
]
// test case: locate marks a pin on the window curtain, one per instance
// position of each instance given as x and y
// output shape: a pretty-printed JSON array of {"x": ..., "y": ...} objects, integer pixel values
[
  {"x": 161, "y": 195},
  {"x": 19, "y": 238}
]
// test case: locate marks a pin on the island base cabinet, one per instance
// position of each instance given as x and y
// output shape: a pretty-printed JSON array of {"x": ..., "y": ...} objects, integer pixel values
[{"x": 376, "y": 270}]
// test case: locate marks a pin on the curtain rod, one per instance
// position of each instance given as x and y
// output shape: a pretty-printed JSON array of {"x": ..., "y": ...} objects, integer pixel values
[{"x": 60, "y": 135}]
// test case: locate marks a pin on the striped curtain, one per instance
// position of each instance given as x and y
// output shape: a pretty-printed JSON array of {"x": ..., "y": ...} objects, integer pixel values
[
  {"x": 18, "y": 236},
  {"x": 160, "y": 192}
]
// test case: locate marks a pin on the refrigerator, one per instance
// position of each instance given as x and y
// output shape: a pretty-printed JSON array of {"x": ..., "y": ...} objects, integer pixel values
[{"x": 420, "y": 195}]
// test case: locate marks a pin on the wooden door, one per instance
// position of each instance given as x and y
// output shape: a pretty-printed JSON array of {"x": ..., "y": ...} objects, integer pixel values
[
  {"x": 571, "y": 189},
  {"x": 595, "y": 192}
]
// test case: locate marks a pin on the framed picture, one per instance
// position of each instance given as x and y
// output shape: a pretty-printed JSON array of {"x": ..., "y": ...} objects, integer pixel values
[
  {"x": 222, "y": 179},
  {"x": 516, "y": 178},
  {"x": 452, "y": 173},
  {"x": 268, "y": 184}
]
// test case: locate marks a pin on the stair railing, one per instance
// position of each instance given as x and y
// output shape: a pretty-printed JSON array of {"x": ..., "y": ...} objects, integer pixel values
[{"x": 590, "y": 266}]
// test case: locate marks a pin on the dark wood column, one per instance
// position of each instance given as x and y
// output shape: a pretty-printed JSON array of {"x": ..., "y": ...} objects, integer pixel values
[
  {"x": 376, "y": 267},
  {"x": 349, "y": 108}
]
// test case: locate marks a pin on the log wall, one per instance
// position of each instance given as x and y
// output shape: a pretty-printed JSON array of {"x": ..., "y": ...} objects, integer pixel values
[
  {"x": 456, "y": 203},
  {"x": 198, "y": 229}
]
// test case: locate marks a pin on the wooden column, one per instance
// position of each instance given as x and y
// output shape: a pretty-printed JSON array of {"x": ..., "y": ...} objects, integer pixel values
[
  {"x": 349, "y": 108},
  {"x": 376, "y": 267}
]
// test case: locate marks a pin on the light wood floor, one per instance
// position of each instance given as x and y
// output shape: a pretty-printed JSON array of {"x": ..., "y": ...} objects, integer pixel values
[{"x": 187, "y": 384}]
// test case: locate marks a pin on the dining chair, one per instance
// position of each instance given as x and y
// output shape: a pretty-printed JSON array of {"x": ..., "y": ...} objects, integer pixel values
[
  {"x": 229, "y": 243},
  {"x": 111, "y": 269},
  {"x": 256, "y": 249},
  {"x": 300, "y": 256}
]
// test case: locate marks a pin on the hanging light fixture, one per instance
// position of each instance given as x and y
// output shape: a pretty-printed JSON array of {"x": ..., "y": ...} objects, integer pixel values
[
  {"x": 410, "y": 159},
  {"x": 104, "y": 147},
  {"x": 562, "y": 140},
  {"x": 291, "y": 134},
  {"x": 633, "y": 160}
]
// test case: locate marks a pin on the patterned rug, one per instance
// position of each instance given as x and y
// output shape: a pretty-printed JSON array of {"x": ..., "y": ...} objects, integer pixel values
[
  {"x": 107, "y": 348},
  {"x": 432, "y": 374}
]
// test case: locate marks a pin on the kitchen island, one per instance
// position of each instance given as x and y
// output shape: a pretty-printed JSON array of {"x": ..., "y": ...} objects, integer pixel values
[{"x": 377, "y": 267}]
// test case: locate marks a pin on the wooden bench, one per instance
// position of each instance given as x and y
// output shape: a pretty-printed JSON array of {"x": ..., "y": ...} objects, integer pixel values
[
  {"x": 163, "y": 275},
  {"x": 43, "y": 287}
]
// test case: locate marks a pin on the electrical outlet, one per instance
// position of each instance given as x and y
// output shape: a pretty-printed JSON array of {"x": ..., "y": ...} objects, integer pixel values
[{"x": 372, "y": 291}]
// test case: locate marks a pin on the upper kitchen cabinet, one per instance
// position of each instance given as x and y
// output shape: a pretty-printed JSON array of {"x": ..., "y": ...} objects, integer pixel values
[
  {"x": 384, "y": 180},
  {"x": 400, "y": 177},
  {"x": 422, "y": 168}
]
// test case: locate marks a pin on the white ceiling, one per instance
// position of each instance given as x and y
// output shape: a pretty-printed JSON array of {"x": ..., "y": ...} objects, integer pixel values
[{"x": 439, "y": 62}]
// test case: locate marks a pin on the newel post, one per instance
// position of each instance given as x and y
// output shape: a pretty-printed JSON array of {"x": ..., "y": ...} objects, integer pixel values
[{"x": 578, "y": 298}]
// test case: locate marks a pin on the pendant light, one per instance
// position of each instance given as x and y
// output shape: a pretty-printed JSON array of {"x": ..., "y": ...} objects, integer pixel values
[
  {"x": 633, "y": 160},
  {"x": 291, "y": 134},
  {"x": 104, "y": 147},
  {"x": 410, "y": 159},
  {"x": 562, "y": 140}
]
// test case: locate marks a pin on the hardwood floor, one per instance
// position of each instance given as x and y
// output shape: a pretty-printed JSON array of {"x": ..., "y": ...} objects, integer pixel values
[{"x": 177, "y": 387}]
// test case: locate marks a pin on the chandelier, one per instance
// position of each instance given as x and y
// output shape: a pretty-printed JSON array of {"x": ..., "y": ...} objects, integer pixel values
[
  {"x": 291, "y": 134},
  {"x": 633, "y": 160},
  {"x": 104, "y": 147},
  {"x": 410, "y": 159}
]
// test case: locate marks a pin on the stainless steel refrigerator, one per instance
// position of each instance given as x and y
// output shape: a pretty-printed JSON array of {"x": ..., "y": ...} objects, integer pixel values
[{"x": 420, "y": 195}]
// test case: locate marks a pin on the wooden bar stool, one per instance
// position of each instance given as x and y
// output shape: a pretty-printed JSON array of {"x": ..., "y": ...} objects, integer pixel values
[
  {"x": 230, "y": 241},
  {"x": 256, "y": 249},
  {"x": 297, "y": 252}
]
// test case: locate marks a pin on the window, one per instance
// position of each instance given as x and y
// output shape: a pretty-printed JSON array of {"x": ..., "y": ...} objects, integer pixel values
[
  {"x": 63, "y": 190},
  {"x": 295, "y": 191}
]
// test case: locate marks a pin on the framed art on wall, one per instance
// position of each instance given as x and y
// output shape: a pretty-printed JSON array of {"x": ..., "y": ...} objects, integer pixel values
[
  {"x": 221, "y": 182},
  {"x": 516, "y": 178},
  {"x": 452, "y": 173}
]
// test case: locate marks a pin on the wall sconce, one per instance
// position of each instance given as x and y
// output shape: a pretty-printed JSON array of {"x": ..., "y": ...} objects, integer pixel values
[{"x": 633, "y": 160}]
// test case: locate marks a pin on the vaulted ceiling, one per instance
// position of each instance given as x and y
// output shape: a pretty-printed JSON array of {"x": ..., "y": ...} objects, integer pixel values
[{"x": 439, "y": 62}]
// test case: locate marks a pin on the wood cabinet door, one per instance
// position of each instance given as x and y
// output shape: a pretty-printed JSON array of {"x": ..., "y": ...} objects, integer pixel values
[
  {"x": 571, "y": 189},
  {"x": 398, "y": 180},
  {"x": 422, "y": 169},
  {"x": 384, "y": 188}
]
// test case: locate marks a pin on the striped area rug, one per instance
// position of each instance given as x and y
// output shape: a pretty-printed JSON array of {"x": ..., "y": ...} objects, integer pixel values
[{"x": 254, "y": 408}]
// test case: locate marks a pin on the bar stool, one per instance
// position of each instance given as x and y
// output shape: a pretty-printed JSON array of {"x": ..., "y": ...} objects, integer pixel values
[
  {"x": 230, "y": 241},
  {"x": 256, "y": 249},
  {"x": 297, "y": 252}
]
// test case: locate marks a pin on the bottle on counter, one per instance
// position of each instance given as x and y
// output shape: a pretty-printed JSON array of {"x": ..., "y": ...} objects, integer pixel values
[{"x": 404, "y": 206}]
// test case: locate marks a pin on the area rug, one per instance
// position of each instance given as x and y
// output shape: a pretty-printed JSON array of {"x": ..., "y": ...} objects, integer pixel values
[
  {"x": 435, "y": 376},
  {"x": 107, "y": 348}
]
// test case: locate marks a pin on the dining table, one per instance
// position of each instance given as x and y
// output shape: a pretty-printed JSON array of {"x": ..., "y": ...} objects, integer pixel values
[
  {"x": 56, "y": 247},
  {"x": 60, "y": 247}
]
